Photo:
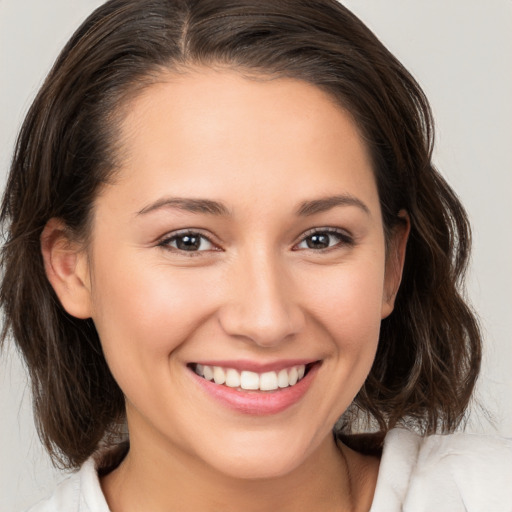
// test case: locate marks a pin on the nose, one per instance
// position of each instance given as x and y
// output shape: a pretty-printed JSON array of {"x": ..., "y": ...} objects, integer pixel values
[{"x": 261, "y": 307}]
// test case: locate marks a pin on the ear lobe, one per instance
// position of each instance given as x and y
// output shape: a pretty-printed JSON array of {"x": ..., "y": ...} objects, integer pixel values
[
  {"x": 66, "y": 267},
  {"x": 395, "y": 260}
]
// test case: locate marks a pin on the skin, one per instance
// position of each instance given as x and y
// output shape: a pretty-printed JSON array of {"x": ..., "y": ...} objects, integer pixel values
[{"x": 255, "y": 291}]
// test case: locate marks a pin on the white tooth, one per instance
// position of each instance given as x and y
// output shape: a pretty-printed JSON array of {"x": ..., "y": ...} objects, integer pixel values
[
  {"x": 199, "y": 369},
  {"x": 218, "y": 375},
  {"x": 207, "y": 373},
  {"x": 282, "y": 379},
  {"x": 232, "y": 378},
  {"x": 293, "y": 376},
  {"x": 268, "y": 381},
  {"x": 249, "y": 380},
  {"x": 302, "y": 371}
]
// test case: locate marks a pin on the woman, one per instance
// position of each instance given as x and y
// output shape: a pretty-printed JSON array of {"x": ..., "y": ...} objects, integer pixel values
[{"x": 226, "y": 235}]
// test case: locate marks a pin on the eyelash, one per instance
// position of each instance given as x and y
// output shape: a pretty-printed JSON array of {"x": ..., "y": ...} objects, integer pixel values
[{"x": 344, "y": 240}]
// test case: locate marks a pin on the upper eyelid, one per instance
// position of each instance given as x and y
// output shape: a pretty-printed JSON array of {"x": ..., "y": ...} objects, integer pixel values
[
  {"x": 185, "y": 231},
  {"x": 322, "y": 229},
  {"x": 326, "y": 229}
]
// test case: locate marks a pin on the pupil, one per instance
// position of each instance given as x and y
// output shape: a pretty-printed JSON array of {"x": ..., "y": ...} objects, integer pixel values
[
  {"x": 318, "y": 241},
  {"x": 188, "y": 242}
]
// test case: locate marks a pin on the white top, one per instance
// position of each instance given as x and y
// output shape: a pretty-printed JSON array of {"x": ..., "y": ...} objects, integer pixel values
[{"x": 442, "y": 473}]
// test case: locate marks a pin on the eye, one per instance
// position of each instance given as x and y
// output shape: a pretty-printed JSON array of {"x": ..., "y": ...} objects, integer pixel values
[
  {"x": 321, "y": 239},
  {"x": 188, "y": 241}
]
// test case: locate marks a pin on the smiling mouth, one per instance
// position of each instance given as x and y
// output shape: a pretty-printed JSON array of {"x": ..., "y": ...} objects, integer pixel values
[{"x": 246, "y": 380}]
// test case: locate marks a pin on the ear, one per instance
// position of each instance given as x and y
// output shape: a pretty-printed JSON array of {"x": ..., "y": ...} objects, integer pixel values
[
  {"x": 395, "y": 259},
  {"x": 67, "y": 268}
]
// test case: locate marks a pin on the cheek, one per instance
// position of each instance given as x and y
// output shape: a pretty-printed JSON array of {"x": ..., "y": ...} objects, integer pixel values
[
  {"x": 348, "y": 302},
  {"x": 346, "y": 307},
  {"x": 143, "y": 311}
]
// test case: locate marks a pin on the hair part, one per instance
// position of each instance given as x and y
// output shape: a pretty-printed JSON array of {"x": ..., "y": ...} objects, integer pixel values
[{"x": 429, "y": 350}]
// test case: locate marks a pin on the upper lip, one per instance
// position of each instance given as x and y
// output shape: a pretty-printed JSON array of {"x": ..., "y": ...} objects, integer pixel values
[{"x": 256, "y": 366}]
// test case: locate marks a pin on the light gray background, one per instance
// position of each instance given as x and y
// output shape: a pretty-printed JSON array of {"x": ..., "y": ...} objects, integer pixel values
[{"x": 461, "y": 53}]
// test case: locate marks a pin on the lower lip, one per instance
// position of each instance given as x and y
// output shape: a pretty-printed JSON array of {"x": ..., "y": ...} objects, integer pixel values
[{"x": 258, "y": 402}]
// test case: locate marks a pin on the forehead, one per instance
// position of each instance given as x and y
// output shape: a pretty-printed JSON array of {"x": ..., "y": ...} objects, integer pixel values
[{"x": 193, "y": 131}]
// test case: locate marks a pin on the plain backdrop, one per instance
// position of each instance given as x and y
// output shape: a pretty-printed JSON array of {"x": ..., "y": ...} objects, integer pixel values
[{"x": 461, "y": 53}]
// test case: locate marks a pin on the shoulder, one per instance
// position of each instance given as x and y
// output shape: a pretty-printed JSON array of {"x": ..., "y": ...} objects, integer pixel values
[
  {"x": 465, "y": 472},
  {"x": 80, "y": 492}
]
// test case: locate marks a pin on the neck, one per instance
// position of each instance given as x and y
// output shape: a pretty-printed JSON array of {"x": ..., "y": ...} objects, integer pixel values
[{"x": 157, "y": 480}]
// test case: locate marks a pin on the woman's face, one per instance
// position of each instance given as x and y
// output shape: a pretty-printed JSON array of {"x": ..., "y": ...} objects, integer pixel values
[{"x": 242, "y": 238}]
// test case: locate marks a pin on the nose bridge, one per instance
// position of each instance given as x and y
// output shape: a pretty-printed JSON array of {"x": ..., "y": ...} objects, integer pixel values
[{"x": 260, "y": 305}]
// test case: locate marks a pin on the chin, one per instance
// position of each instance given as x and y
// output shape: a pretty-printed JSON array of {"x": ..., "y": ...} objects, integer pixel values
[
  {"x": 260, "y": 468},
  {"x": 258, "y": 458}
]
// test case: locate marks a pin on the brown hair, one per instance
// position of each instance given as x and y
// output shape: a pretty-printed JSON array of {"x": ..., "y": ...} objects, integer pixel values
[{"x": 429, "y": 350}]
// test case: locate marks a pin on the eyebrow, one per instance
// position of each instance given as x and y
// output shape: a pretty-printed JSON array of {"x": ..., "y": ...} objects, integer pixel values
[
  {"x": 188, "y": 204},
  {"x": 324, "y": 204},
  {"x": 207, "y": 206}
]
